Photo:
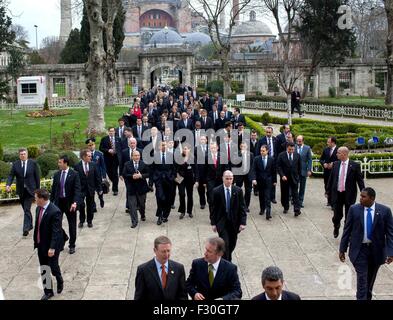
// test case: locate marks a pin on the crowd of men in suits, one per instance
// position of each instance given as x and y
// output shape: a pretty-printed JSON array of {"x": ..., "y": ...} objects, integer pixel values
[{"x": 175, "y": 140}]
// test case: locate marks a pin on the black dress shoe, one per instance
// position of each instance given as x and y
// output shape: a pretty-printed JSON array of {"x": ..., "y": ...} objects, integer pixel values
[
  {"x": 72, "y": 250},
  {"x": 298, "y": 213},
  {"x": 134, "y": 225},
  {"x": 25, "y": 233},
  {"x": 80, "y": 225},
  {"x": 127, "y": 210},
  {"x": 274, "y": 201},
  {"x": 159, "y": 221},
  {"x": 115, "y": 193},
  {"x": 182, "y": 215},
  {"x": 302, "y": 205},
  {"x": 47, "y": 296},
  {"x": 268, "y": 217},
  {"x": 335, "y": 232},
  {"x": 60, "y": 287},
  {"x": 143, "y": 218},
  {"x": 102, "y": 202},
  {"x": 190, "y": 215},
  {"x": 165, "y": 220},
  {"x": 90, "y": 225},
  {"x": 173, "y": 206},
  {"x": 247, "y": 210},
  {"x": 285, "y": 211},
  {"x": 261, "y": 213},
  {"x": 203, "y": 207}
]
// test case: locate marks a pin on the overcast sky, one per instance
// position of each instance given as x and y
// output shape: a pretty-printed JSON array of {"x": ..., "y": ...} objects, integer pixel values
[{"x": 46, "y": 15}]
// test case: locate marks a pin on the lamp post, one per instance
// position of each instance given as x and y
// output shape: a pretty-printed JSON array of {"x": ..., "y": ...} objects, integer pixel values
[{"x": 36, "y": 37}]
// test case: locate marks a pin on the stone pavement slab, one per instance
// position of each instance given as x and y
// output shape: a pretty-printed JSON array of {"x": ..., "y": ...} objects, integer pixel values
[{"x": 105, "y": 263}]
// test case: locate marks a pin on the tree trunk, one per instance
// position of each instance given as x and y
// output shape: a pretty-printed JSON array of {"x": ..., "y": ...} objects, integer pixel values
[
  {"x": 389, "y": 46},
  {"x": 95, "y": 68},
  {"x": 226, "y": 74},
  {"x": 289, "y": 109},
  {"x": 111, "y": 83}
]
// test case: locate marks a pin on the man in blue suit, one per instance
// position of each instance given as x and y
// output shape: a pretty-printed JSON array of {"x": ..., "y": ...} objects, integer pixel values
[
  {"x": 213, "y": 277},
  {"x": 98, "y": 158},
  {"x": 369, "y": 233},
  {"x": 305, "y": 154}
]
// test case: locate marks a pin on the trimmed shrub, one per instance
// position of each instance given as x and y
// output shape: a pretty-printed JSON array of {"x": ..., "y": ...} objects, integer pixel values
[
  {"x": 1, "y": 152},
  {"x": 10, "y": 156},
  {"x": 47, "y": 162},
  {"x": 33, "y": 151},
  {"x": 318, "y": 147},
  {"x": 265, "y": 119},
  {"x": 332, "y": 92},
  {"x": 4, "y": 170},
  {"x": 215, "y": 86}
]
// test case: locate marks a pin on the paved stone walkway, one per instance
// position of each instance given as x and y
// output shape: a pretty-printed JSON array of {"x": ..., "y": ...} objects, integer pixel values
[{"x": 107, "y": 256}]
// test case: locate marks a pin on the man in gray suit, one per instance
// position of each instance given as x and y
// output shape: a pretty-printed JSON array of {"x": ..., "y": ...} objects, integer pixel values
[
  {"x": 369, "y": 233},
  {"x": 305, "y": 154}
]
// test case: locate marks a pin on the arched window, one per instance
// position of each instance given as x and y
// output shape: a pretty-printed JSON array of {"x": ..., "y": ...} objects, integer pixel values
[{"x": 253, "y": 15}]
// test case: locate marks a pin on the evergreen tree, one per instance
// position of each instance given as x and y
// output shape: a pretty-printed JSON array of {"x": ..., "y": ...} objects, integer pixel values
[{"x": 73, "y": 52}]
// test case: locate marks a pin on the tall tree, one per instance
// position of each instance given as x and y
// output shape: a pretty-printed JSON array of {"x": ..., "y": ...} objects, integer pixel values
[
  {"x": 210, "y": 12},
  {"x": 389, "y": 47},
  {"x": 21, "y": 35},
  {"x": 323, "y": 42},
  {"x": 72, "y": 52},
  {"x": 289, "y": 69},
  {"x": 7, "y": 35},
  {"x": 96, "y": 66},
  {"x": 50, "y": 50}
]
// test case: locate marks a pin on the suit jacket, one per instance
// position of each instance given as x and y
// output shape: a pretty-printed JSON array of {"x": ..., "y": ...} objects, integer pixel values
[
  {"x": 238, "y": 215},
  {"x": 226, "y": 284},
  {"x": 208, "y": 125},
  {"x": 163, "y": 175},
  {"x": 105, "y": 146},
  {"x": 138, "y": 186},
  {"x": 180, "y": 124},
  {"x": 148, "y": 283},
  {"x": 98, "y": 158},
  {"x": 276, "y": 147},
  {"x": 72, "y": 188},
  {"x": 281, "y": 140},
  {"x": 31, "y": 181},
  {"x": 327, "y": 158},
  {"x": 51, "y": 231},
  {"x": 135, "y": 131},
  {"x": 381, "y": 236},
  {"x": 236, "y": 122},
  {"x": 254, "y": 148},
  {"x": 285, "y": 295},
  {"x": 244, "y": 169},
  {"x": 213, "y": 173},
  {"x": 305, "y": 160},
  {"x": 90, "y": 183},
  {"x": 125, "y": 157},
  {"x": 354, "y": 176},
  {"x": 264, "y": 175},
  {"x": 220, "y": 123},
  {"x": 285, "y": 168},
  {"x": 211, "y": 115},
  {"x": 117, "y": 131}
]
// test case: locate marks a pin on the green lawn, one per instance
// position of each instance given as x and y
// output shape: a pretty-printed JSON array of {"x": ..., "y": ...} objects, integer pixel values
[
  {"x": 21, "y": 131},
  {"x": 355, "y": 100}
]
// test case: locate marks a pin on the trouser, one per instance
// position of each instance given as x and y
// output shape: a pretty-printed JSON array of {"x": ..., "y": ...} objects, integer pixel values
[
  {"x": 53, "y": 264},
  {"x": 366, "y": 272},
  {"x": 229, "y": 235},
  {"x": 164, "y": 203},
  {"x": 112, "y": 168},
  {"x": 338, "y": 209},
  {"x": 71, "y": 218},
  {"x": 211, "y": 184},
  {"x": 202, "y": 193},
  {"x": 26, "y": 201},
  {"x": 273, "y": 193},
  {"x": 302, "y": 188},
  {"x": 247, "y": 187},
  {"x": 297, "y": 107},
  {"x": 135, "y": 201},
  {"x": 186, "y": 186},
  {"x": 89, "y": 209},
  {"x": 264, "y": 192},
  {"x": 286, "y": 187},
  {"x": 173, "y": 194},
  {"x": 326, "y": 175}
]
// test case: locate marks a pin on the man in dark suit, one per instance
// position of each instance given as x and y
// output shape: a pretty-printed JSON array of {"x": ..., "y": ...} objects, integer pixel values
[
  {"x": 206, "y": 122},
  {"x": 328, "y": 157},
  {"x": 272, "y": 283},
  {"x": 305, "y": 154},
  {"x": 214, "y": 114},
  {"x": 282, "y": 138},
  {"x": 161, "y": 279},
  {"x": 138, "y": 131},
  {"x": 49, "y": 238},
  {"x": 90, "y": 183},
  {"x": 135, "y": 173},
  {"x": 65, "y": 194},
  {"x": 229, "y": 215},
  {"x": 288, "y": 167},
  {"x": 227, "y": 113},
  {"x": 243, "y": 172},
  {"x": 272, "y": 144},
  {"x": 201, "y": 152},
  {"x": 369, "y": 234},
  {"x": 264, "y": 177},
  {"x": 341, "y": 189},
  {"x": 110, "y": 147},
  {"x": 27, "y": 176},
  {"x": 119, "y": 131},
  {"x": 212, "y": 277},
  {"x": 185, "y": 122},
  {"x": 238, "y": 118},
  {"x": 163, "y": 175},
  {"x": 295, "y": 101},
  {"x": 126, "y": 153}
]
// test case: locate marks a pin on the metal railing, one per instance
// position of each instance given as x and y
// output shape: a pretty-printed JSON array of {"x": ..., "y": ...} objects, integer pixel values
[{"x": 338, "y": 110}]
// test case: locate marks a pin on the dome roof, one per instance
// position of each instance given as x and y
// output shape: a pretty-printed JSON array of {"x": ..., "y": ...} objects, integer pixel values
[
  {"x": 166, "y": 36},
  {"x": 252, "y": 27},
  {"x": 197, "y": 38}
]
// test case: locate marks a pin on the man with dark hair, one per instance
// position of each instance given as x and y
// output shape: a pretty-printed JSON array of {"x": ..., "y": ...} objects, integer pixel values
[
  {"x": 65, "y": 194},
  {"x": 27, "y": 176},
  {"x": 120, "y": 130},
  {"x": 282, "y": 138},
  {"x": 295, "y": 101},
  {"x": 238, "y": 118},
  {"x": 328, "y": 157},
  {"x": 288, "y": 167},
  {"x": 98, "y": 158},
  {"x": 161, "y": 279},
  {"x": 49, "y": 238},
  {"x": 369, "y": 234},
  {"x": 90, "y": 183},
  {"x": 272, "y": 283},
  {"x": 222, "y": 275}
]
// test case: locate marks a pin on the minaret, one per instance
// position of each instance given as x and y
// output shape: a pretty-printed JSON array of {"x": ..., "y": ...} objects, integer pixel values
[
  {"x": 66, "y": 20},
  {"x": 235, "y": 11}
]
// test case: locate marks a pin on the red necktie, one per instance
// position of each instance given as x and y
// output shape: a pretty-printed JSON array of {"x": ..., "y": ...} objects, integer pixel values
[
  {"x": 229, "y": 153},
  {"x": 163, "y": 276},
  {"x": 39, "y": 224},
  {"x": 215, "y": 161}
]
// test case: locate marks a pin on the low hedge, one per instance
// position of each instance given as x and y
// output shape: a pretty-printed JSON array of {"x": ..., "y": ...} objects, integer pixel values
[{"x": 4, "y": 170}]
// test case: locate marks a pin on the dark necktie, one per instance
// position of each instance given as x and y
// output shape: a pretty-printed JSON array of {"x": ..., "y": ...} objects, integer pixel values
[
  {"x": 139, "y": 131},
  {"x": 264, "y": 163},
  {"x": 136, "y": 166},
  {"x": 211, "y": 275},
  {"x": 39, "y": 224},
  {"x": 228, "y": 203},
  {"x": 23, "y": 168},
  {"x": 369, "y": 223},
  {"x": 163, "y": 158},
  {"x": 62, "y": 181}
]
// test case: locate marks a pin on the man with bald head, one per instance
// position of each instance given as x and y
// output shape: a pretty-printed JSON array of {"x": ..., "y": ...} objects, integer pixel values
[
  {"x": 341, "y": 188},
  {"x": 228, "y": 216}
]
